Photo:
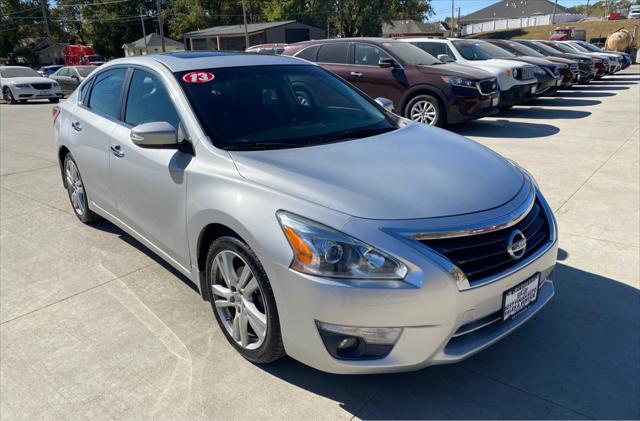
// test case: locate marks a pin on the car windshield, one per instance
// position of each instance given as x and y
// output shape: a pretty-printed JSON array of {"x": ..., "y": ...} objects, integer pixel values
[
  {"x": 495, "y": 51},
  {"x": 410, "y": 54},
  {"x": 547, "y": 49},
  {"x": 85, "y": 71},
  {"x": 18, "y": 72},
  {"x": 590, "y": 47},
  {"x": 565, "y": 48},
  {"x": 579, "y": 47},
  {"x": 523, "y": 49},
  {"x": 276, "y": 107},
  {"x": 471, "y": 50},
  {"x": 95, "y": 58}
]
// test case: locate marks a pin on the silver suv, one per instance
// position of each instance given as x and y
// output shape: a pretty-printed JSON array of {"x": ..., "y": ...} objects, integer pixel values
[{"x": 317, "y": 223}]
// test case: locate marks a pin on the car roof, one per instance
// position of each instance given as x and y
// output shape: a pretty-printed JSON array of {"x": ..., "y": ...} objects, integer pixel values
[
  {"x": 15, "y": 67},
  {"x": 422, "y": 39},
  {"x": 181, "y": 61}
]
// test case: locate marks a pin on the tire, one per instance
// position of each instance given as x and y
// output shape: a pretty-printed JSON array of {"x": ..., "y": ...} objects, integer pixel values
[
  {"x": 8, "y": 96},
  {"x": 425, "y": 109},
  {"x": 76, "y": 191},
  {"x": 249, "y": 298},
  {"x": 506, "y": 107},
  {"x": 54, "y": 100}
]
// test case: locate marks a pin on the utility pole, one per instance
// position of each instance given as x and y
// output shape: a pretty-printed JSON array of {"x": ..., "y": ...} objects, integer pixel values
[
  {"x": 161, "y": 24},
  {"x": 452, "y": 16},
  {"x": 46, "y": 22},
  {"x": 246, "y": 33},
  {"x": 587, "y": 13},
  {"x": 144, "y": 32},
  {"x": 553, "y": 16},
  {"x": 458, "y": 28}
]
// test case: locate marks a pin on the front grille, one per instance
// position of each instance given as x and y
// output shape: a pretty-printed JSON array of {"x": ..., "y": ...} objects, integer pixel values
[
  {"x": 525, "y": 73},
  {"x": 575, "y": 69},
  {"x": 41, "y": 86},
  {"x": 488, "y": 86},
  {"x": 484, "y": 255}
]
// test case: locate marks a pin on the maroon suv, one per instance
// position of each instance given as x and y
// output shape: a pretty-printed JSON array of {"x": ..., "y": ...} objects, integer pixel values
[{"x": 420, "y": 86}]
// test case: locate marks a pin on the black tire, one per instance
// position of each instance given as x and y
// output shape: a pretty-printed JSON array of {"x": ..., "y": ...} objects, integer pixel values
[
  {"x": 440, "y": 119},
  {"x": 8, "y": 96},
  {"x": 86, "y": 215},
  {"x": 54, "y": 100},
  {"x": 271, "y": 348},
  {"x": 506, "y": 107}
]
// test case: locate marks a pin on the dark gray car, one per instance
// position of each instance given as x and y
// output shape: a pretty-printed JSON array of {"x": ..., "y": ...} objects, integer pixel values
[{"x": 69, "y": 77}]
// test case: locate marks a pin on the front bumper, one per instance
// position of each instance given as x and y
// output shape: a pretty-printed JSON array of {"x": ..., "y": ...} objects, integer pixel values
[
  {"x": 29, "y": 93},
  {"x": 518, "y": 94},
  {"x": 468, "y": 104},
  {"x": 546, "y": 83},
  {"x": 441, "y": 322}
]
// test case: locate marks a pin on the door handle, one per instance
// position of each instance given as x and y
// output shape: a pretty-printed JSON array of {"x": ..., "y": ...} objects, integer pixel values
[
  {"x": 117, "y": 151},
  {"x": 76, "y": 126},
  {"x": 356, "y": 74}
]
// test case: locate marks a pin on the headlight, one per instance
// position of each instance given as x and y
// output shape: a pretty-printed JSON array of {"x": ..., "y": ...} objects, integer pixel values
[
  {"x": 459, "y": 81},
  {"x": 322, "y": 251},
  {"x": 22, "y": 85},
  {"x": 515, "y": 73}
]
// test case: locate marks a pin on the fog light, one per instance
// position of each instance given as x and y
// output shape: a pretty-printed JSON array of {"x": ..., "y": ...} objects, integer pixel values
[{"x": 351, "y": 343}]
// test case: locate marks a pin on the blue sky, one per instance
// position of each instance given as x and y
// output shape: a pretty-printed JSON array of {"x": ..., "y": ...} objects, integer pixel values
[{"x": 443, "y": 7}]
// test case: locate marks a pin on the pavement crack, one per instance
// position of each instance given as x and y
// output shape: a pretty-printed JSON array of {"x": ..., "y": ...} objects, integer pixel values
[{"x": 29, "y": 170}]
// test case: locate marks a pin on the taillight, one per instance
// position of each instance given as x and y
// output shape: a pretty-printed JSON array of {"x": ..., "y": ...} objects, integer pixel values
[{"x": 55, "y": 112}]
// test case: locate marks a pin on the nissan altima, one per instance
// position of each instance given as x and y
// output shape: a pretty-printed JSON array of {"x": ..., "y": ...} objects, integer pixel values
[{"x": 317, "y": 223}]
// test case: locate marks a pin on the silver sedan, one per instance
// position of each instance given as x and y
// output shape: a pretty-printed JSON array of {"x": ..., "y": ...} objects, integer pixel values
[{"x": 316, "y": 222}]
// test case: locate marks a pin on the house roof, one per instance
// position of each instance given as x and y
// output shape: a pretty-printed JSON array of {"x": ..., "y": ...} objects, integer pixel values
[
  {"x": 408, "y": 26},
  {"x": 237, "y": 29},
  {"x": 509, "y": 9},
  {"x": 153, "y": 40}
]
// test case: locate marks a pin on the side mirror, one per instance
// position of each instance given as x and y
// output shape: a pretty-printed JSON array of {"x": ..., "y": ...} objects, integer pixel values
[
  {"x": 386, "y": 62},
  {"x": 445, "y": 58},
  {"x": 75, "y": 77},
  {"x": 157, "y": 134},
  {"x": 387, "y": 104}
]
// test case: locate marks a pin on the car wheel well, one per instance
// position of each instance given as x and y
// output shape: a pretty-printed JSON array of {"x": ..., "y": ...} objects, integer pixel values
[
  {"x": 424, "y": 91},
  {"x": 62, "y": 153},
  {"x": 207, "y": 236}
]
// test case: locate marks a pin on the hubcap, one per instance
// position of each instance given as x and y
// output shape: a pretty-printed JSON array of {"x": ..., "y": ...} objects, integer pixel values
[
  {"x": 424, "y": 112},
  {"x": 238, "y": 300},
  {"x": 75, "y": 187}
]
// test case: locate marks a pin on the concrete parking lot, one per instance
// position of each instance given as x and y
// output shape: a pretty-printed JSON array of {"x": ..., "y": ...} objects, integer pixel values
[{"x": 93, "y": 326}]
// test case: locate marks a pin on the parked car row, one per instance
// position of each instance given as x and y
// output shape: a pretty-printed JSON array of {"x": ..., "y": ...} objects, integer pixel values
[
  {"x": 440, "y": 81},
  {"x": 20, "y": 84}
]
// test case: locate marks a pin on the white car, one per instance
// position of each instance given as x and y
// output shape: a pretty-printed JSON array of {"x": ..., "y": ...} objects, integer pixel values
[
  {"x": 21, "y": 84},
  {"x": 516, "y": 80},
  {"x": 634, "y": 12},
  {"x": 611, "y": 60}
]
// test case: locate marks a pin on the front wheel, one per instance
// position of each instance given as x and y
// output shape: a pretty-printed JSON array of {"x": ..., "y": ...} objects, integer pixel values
[
  {"x": 425, "y": 109},
  {"x": 8, "y": 96},
  {"x": 243, "y": 301}
]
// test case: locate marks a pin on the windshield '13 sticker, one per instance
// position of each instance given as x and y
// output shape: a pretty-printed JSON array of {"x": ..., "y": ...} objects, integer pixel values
[{"x": 198, "y": 77}]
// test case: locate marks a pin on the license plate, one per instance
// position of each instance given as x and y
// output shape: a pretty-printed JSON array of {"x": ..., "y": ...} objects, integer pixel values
[
  {"x": 45, "y": 93},
  {"x": 494, "y": 101},
  {"x": 519, "y": 298}
]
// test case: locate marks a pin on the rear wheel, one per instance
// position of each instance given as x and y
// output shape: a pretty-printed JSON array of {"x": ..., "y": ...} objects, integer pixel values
[
  {"x": 425, "y": 109},
  {"x": 8, "y": 95},
  {"x": 242, "y": 300},
  {"x": 77, "y": 192}
]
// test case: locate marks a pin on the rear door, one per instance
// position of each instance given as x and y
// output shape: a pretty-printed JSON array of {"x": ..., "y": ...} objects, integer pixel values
[
  {"x": 150, "y": 184},
  {"x": 92, "y": 126},
  {"x": 334, "y": 57}
]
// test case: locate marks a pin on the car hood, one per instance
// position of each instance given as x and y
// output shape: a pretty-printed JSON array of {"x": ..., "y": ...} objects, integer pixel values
[
  {"x": 497, "y": 63},
  {"x": 29, "y": 79},
  {"x": 413, "y": 172},
  {"x": 453, "y": 69},
  {"x": 533, "y": 60}
]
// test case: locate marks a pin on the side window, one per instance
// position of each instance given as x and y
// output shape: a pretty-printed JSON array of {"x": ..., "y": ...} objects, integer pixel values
[
  {"x": 105, "y": 95},
  {"x": 368, "y": 55},
  {"x": 63, "y": 72},
  {"x": 435, "y": 48},
  {"x": 83, "y": 94},
  {"x": 309, "y": 53},
  {"x": 333, "y": 53},
  {"x": 148, "y": 101}
]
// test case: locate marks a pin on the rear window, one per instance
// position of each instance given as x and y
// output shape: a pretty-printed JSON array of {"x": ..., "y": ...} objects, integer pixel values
[
  {"x": 105, "y": 95},
  {"x": 309, "y": 53},
  {"x": 333, "y": 53}
]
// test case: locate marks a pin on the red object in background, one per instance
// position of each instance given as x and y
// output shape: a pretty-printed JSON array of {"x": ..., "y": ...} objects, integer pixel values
[
  {"x": 614, "y": 16},
  {"x": 76, "y": 54}
]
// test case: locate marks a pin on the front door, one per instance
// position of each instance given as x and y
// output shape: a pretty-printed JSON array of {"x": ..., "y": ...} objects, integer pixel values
[
  {"x": 150, "y": 184},
  {"x": 376, "y": 81}
]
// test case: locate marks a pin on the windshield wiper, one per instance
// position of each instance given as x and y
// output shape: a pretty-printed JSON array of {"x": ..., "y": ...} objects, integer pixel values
[
  {"x": 352, "y": 134},
  {"x": 262, "y": 146}
]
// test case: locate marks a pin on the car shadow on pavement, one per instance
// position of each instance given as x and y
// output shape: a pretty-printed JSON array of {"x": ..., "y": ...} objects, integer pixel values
[
  {"x": 583, "y": 94},
  {"x": 602, "y": 88},
  {"x": 501, "y": 128},
  {"x": 611, "y": 82},
  {"x": 544, "y": 113},
  {"x": 579, "y": 357},
  {"x": 561, "y": 102}
]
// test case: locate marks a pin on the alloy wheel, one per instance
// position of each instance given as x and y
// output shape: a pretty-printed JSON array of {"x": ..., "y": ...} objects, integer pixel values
[
  {"x": 75, "y": 187},
  {"x": 239, "y": 300},
  {"x": 424, "y": 111},
  {"x": 8, "y": 96}
]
